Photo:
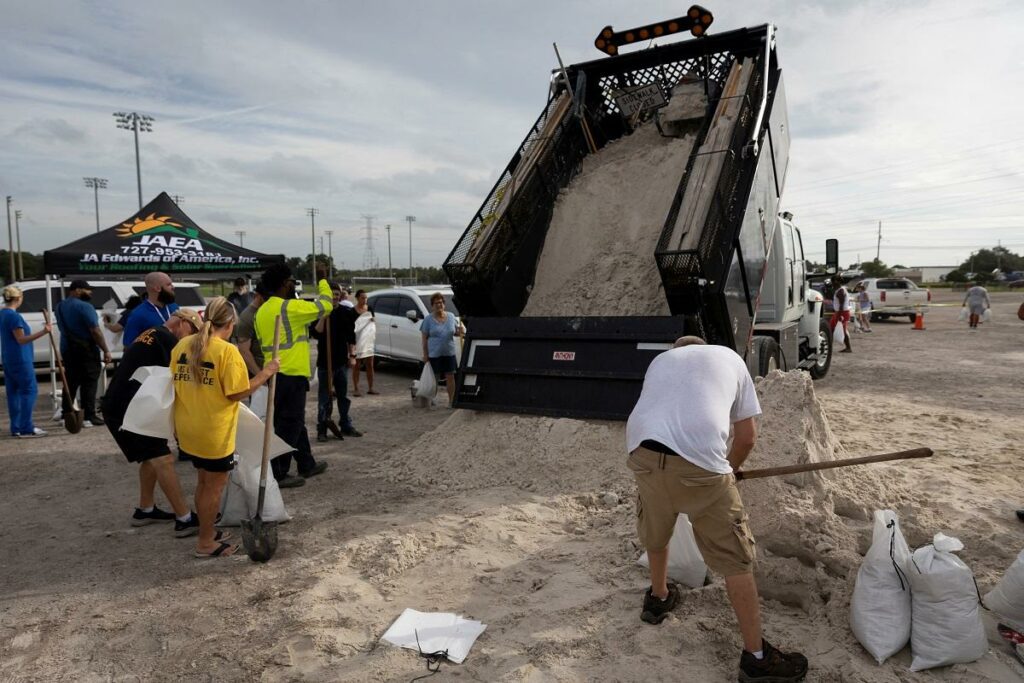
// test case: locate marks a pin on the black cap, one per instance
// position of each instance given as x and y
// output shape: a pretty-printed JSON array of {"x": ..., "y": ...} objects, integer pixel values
[{"x": 79, "y": 284}]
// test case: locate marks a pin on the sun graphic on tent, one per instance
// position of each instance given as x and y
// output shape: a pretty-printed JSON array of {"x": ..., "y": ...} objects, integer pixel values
[{"x": 151, "y": 222}]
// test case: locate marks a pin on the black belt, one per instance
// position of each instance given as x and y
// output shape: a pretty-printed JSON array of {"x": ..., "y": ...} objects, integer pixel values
[{"x": 657, "y": 447}]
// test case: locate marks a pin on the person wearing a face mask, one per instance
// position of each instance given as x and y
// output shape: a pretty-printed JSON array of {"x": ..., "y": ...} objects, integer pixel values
[
  {"x": 155, "y": 310},
  {"x": 81, "y": 341}
]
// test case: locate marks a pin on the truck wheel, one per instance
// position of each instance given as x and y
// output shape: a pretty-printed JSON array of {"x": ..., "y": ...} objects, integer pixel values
[
  {"x": 912, "y": 318},
  {"x": 824, "y": 360},
  {"x": 769, "y": 355}
]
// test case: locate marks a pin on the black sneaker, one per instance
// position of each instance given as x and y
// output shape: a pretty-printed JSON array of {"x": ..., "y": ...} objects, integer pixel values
[
  {"x": 189, "y": 528},
  {"x": 656, "y": 609},
  {"x": 321, "y": 438},
  {"x": 351, "y": 432},
  {"x": 776, "y": 667},
  {"x": 319, "y": 468},
  {"x": 141, "y": 518},
  {"x": 290, "y": 482}
]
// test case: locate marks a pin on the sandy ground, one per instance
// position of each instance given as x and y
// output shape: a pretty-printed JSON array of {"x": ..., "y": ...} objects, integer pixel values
[{"x": 548, "y": 565}]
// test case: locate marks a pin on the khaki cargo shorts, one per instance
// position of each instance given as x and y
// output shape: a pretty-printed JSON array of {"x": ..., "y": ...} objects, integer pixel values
[{"x": 668, "y": 485}]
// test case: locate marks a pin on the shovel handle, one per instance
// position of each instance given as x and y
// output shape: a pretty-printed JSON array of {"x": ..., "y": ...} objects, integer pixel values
[
  {"x": 832, "y": 464},
  {"x": 56, "y": 357},
  {"x": 268, "y": 426}
]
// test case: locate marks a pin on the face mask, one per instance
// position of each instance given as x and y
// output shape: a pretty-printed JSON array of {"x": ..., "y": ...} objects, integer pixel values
[
  {"x": 165, "y": 297},
  {"x": 85, "y": 297}
]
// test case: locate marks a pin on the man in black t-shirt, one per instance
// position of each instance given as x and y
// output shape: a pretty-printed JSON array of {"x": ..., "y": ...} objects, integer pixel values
[
  {"x": 343, "y": 342},
  {"x": 156, "y": 464}
]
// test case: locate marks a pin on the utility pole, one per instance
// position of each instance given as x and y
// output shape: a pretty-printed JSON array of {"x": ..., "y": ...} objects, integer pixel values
[
  {"x": 410, "y": 219},
  {"x": 878, "y": 249},
  {"x": 322, "y": 244},
  {"x": 391, "y": 271},
  {"x": 240, "y": 234},
  {"x": 369, "y": 253},
  {"x": 17, "y": 233},
  {"x": 96, "y": 184},
  {"x": 136, "y": 122},
  {"x": 330, "y": 254},
  {"x": 178, "y": 199},
  {"x": 312, "y": 213},
  {"x": 10, "y": 242}
]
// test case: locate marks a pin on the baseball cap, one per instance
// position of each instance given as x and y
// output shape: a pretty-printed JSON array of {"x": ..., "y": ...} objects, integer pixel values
[
  {"x": 191, "y": 316},
  {"x": 79, "y": 284}
]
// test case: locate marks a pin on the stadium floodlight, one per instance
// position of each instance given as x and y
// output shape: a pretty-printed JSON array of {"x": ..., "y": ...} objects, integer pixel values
[
  {"x": 135, "y": 122},
  {"x": 96, "y": 184}
]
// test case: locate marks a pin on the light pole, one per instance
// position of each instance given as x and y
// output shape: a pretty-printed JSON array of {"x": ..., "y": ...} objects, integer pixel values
[
  {"x": 241, "y": 237},
  {"x": 136, "y": 122},
  {"x": 410, "y": 219},
  {"x": 96, "y": 184},
  {"x": 178, "y": 199},
  {"x": 312, "y": 213},
  {"x": 17, "y": 234},
  {"x": 10, "y": 242},
  {"x": 330, "y": 254},
  {"x": 391, "y": 272}
]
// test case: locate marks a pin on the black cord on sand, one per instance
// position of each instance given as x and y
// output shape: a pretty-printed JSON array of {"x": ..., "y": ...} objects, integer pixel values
[{"x": 434, "y": 659}]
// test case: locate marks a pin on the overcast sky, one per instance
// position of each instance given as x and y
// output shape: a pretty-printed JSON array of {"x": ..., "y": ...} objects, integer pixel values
[{"x": 906, "y": 112}]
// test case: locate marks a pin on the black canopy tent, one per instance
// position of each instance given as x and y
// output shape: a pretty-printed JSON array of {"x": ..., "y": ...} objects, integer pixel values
[{"x": 158, "y": 237}]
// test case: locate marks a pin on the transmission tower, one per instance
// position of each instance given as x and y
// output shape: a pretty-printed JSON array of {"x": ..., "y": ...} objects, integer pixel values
[{"x": 369, "y": 253}]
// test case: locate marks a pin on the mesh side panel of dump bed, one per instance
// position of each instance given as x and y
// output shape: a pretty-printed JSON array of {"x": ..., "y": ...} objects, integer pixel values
[{"x": 493, "y": 264}]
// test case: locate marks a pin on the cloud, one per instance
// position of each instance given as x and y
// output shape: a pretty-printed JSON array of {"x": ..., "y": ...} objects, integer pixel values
[
  {"x": 53, "y": 131},
  {"x": 294, "y": 172}
]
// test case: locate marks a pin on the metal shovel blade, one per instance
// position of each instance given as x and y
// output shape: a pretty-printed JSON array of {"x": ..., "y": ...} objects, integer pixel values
[
  {"x": 73, "y": 417},
  {"x": 259, "y": 538}
]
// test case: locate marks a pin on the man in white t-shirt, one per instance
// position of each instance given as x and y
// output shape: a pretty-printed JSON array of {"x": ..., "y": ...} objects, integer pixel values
[{"x": 677, "y": 438}]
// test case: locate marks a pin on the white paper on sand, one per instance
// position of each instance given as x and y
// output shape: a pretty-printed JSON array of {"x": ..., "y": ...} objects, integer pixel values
[
  {"x": 437, "y": 632},
  {"x": 685, "y": 563}
]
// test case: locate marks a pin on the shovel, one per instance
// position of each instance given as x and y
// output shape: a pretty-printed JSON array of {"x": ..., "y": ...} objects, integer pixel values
[
  {"x": 832, "y": 464},
  {"x": 331, "y": 424},
  {"x": 259, "y": 537},
  {"x": 73, "y": 415}
]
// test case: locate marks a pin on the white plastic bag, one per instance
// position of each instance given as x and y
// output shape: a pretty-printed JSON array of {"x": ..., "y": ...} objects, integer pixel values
[
  {"x": 880, "y": 606},
  {"x": 1007, "y": 598},
  {"x": 947, "y": 626},
  {"x": 151, "y": 411},
  {"x": 427, "y": 386},
  {"x": 685, "y": 563},
  {"x": 242, "y": 492},
  {"x": 258, "y": 401},
  {"x": 963, "y": 314},
  {"x": 986, "y": 316},
  {"x": 838, "y": 334}
]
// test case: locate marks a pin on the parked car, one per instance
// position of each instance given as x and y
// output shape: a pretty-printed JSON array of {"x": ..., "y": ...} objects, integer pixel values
[
  {"x": 398, "y": 311},
  {"x": 186, "y": 294},
  {"x": 894, "y": 296}
]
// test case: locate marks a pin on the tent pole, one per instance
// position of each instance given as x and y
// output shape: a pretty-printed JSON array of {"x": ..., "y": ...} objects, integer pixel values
[{"x": 53, "y": 365}]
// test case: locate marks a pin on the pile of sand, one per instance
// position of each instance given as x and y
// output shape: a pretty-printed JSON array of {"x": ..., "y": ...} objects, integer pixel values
[{"x": 599, "y": 249}]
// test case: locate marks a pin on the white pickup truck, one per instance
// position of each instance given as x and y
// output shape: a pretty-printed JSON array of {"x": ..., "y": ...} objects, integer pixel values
[{"x": 893, "y": 296}]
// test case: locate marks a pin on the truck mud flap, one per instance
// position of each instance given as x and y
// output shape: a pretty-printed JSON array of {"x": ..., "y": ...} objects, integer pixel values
[{"x": 561, "y": 367}]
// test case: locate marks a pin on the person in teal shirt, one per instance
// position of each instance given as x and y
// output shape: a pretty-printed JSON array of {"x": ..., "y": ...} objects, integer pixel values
[{"x": 16, "y": 339}]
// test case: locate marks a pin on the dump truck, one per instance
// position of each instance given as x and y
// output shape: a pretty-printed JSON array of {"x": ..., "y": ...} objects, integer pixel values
[{"x": 731, "y": 265}]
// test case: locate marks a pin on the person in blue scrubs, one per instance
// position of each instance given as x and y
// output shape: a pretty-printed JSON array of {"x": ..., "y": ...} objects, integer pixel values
[{"x": 16, "y": 339}]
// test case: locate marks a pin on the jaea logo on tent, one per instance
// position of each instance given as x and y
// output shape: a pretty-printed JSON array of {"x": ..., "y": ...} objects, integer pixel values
[{"x": 153, "y": 225}]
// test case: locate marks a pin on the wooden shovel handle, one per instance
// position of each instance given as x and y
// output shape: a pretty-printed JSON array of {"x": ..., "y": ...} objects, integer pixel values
[
  {"x": 268, "y": 426},
  {"x": 832, "y": 464},
  {"x": 56, "y": 357}
]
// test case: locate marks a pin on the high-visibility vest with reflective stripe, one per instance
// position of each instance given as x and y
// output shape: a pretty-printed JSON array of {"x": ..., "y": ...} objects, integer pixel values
[{"x": 296, "y": 315}]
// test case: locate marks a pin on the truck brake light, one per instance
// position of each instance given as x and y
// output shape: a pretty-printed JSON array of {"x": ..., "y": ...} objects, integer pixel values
[{"x": 882, "y": 296}]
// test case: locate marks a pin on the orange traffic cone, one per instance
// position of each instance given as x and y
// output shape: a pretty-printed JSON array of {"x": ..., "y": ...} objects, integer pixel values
[{"x": 919, "y": 320}]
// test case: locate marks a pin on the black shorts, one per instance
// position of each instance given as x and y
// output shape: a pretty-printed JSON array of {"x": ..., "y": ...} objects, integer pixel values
[
  {"x": 442, "y": 365},
  {"x": 136, "y": 447},
  {"x": 225, "y": 464}
]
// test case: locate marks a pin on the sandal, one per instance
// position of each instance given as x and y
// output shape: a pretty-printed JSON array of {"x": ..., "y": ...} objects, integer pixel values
[
  {"x": 222, "y": 535},
  {"x": 220, "y": 551},
  {"x": 375, "y": 393},
  {"x": 357, "y": 393}
]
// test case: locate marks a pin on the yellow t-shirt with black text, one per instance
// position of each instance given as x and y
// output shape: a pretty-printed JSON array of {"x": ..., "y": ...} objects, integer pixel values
[{"x": 205, "y": 419}]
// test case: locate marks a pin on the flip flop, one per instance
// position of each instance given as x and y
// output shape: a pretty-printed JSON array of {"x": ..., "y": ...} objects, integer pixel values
[
  {"x": 357, "y": 393},
  {"x": 222, "y": 535},
  {"x": 221, "y": 551},
  {"x": 1010, "y": 635},
  {"x": 371, "y": 391}
]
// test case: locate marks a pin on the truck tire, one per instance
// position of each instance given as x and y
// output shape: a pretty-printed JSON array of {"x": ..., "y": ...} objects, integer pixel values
[
  {"x": 824, "y": 361},
  {"x": 768, "y": 354},
  {"x": 912, "y": 318}
]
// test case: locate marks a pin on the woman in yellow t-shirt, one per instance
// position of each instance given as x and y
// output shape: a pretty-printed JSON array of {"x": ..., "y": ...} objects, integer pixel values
[{"x": 210, "y": 378}]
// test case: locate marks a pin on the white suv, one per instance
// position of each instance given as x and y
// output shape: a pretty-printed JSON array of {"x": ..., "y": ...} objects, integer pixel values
[
  {"x": 186, "y": 294},
  {"x": 399, "y": 311}
]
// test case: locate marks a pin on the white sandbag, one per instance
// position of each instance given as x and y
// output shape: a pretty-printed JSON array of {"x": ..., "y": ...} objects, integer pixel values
[
  {"x": 242, "y": 492},
  {"x": 838, "y": 334},
  {"x": 427, "y": 386},
  {"x": 685, "y": 563},
  {"x": 963, "y": 314},
  {"x": 151, "y": 411},
  {"x": 986, "y": 316},
  {"x": 1007, "y": 598},
  {"x": 880, "y": 606},
  {"x": 947, "y": 626},
  {"x": 258, "y": 401}
]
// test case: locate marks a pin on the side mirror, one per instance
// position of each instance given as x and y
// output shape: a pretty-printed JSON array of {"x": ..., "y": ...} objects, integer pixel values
[
  {"x": 412, "y": 314},
  {"x": 832, "y": 255}
]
